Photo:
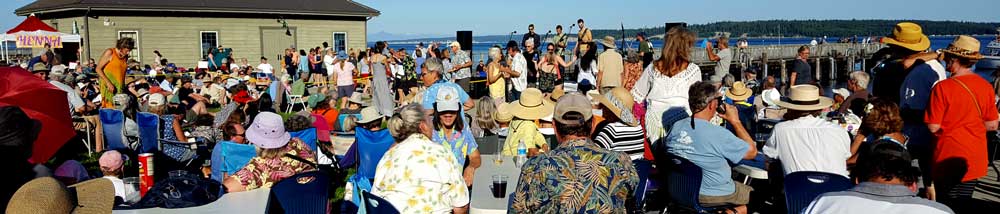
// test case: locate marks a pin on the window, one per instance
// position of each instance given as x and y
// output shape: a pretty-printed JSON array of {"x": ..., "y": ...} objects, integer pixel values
[
  {"x": 135, "y": 53},
  {"x": 209, "y": 39},
  {"x": 340, "y": 41}
]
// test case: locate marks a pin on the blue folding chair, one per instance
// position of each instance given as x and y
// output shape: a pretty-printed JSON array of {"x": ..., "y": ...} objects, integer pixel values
[
  {"x": 375, "y": 204},
  {"x": 302, "y": 193},
  {"x": 113, "y": 122},
  {"x": 684, "y": 184},
  {"x": 371, "y": 147},
  {"x": 308, "y": 136},
  {"x": 149, "y": 131},
  {"x": 803, "y": 186}
]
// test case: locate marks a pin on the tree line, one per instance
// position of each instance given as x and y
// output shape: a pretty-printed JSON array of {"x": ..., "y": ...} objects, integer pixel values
[{"x": 815, "y": 28}]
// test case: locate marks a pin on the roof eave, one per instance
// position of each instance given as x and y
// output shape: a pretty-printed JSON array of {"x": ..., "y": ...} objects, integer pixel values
[{"x": 25, "y": 12}]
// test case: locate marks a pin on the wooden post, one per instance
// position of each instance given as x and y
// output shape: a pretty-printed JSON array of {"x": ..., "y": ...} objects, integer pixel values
[
  {"x": 763, "y": 61},
  {"x": 784, "y": 72}
]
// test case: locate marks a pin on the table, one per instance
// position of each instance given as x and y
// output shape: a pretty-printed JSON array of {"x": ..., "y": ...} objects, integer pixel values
[
  {"x": 482, "y": 200},
  {"x": 751, "y": 172},
  {"x": 254, "y": 201}
]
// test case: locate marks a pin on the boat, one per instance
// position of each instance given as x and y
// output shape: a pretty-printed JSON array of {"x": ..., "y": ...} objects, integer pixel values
[{"x": 991, "y": 59}]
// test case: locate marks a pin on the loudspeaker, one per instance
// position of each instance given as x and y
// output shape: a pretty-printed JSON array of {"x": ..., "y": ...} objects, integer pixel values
[
  {"x": 671, "y": 25},
  {"x": 465, "y": 39}
]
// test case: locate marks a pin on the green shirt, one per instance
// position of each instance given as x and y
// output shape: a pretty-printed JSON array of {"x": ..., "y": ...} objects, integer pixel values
[{"x": 645, "y": 47}]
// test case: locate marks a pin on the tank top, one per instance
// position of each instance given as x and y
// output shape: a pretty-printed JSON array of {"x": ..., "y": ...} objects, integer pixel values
[
  {"x": 497, "y": 89},
  {"x": 303, "y": 64}
]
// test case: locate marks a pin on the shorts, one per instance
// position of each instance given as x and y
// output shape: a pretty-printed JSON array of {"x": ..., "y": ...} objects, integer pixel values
[
  {"x": 740, "y": 197},
  {"x": 345, "y": 91}
]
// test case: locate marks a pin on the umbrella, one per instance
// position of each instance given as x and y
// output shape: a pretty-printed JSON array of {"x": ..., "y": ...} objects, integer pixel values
[{"x": 43, "y": 102}]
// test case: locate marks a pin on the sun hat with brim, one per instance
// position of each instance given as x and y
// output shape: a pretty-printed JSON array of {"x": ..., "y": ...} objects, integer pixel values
[
  {"x": 739, "y": 91},
  {"x": 771, "y": 97},
  {"x": 358, "y": 98},
  {"x": 804, "y": 98},
  {"x": 908, "y": 35},
  {"x": 609, "y": 42},
  {"x": 531, "y": 106},
  {"x": 557, "y": 92},
  {"x": 619, "y": 100},
  {"x": 46, "y": 195},
  {"x": 447, "y": 99},
  {"x": 40, "y": 67},
  {"x": 503, "y": 113},
  {"x": 574, "y": 102},
  {"x": 965, "y": 47},
  {"x": 369, "y": 114},
  {"x": 268, "y": 131}
]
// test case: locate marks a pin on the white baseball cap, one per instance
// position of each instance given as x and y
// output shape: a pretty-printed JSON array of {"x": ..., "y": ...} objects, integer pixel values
[
  {"x": 157, "y": 99},
  {"x": 447, "y": 99}
]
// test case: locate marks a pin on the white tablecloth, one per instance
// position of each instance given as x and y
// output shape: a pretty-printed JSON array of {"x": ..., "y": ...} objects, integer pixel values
[
  {"x": 250, "y": 202},
  {"x": 482, "y": 197}
]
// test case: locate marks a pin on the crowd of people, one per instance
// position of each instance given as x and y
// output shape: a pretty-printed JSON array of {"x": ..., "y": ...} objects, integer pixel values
[{"x": 594, "y": 123}]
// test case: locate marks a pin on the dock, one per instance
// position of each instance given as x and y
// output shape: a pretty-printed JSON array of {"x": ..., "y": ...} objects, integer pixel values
[{"x": 831, "y": 61}]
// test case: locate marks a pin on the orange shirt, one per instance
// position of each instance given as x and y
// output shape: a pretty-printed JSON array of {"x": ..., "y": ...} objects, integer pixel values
[
  {"x": 330, "y": 115},
  {"x": 961, "y": 142}
]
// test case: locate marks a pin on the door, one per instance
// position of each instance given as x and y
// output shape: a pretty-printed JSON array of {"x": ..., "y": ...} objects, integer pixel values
[{"x": 273, "y": 42}]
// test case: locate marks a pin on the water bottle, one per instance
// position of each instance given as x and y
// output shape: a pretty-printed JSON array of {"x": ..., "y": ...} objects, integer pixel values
[{"x": 522, "y": 154}]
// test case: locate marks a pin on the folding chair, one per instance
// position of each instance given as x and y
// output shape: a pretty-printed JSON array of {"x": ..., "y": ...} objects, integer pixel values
[
  {"x": 684, "y": 184},
  {"x": 302, "y": 193},
  {"x": 87, "y": 141},
  {"x": 308, "y": 136},
  {"x": 294, "y": 98},
  {"x": 803, "y": 186},
  {"x": 375, "y": 204},
  {"x": 113, "y": 122},
  {"x": 149, "y": 131},
  {"x": 371, "y": 147}
]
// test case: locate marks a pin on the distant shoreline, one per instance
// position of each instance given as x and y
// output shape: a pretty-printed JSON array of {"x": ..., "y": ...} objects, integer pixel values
[{"x": 658, "y": 36}]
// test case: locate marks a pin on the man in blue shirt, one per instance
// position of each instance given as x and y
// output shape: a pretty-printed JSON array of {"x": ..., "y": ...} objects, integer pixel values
[{"x": 713, "y": 148}]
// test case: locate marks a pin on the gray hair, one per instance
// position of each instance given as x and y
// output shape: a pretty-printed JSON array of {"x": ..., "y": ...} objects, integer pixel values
[
  {"x": 700, "y": 95},
  {"x": 860, "y": 79},
  {"x": 406, "y": 122},
  {"x": 728, "y": 80},
  {"x": 434, "y": 65},
  {"x": 495, "y": 53}
]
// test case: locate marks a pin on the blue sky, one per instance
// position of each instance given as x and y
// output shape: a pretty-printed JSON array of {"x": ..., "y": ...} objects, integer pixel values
[{"x": 444, "y": 17}]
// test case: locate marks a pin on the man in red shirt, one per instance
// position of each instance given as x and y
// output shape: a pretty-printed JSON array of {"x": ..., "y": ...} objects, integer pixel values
[{"x": 960, "y": 113}]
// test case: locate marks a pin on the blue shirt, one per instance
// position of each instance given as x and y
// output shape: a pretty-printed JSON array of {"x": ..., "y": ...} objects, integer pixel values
[
  {"x": 461, "y": 146},
  {"x": 916, "y": 90},
  {"x": 229, "y": 157},
  {"x": 711, "y": 147},
  {"x": 420, "y": 64},
  {"x": 430, "y": 95}
]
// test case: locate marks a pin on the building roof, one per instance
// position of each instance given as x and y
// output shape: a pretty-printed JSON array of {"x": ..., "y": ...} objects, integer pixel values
[{"x": 296, "y": 7}]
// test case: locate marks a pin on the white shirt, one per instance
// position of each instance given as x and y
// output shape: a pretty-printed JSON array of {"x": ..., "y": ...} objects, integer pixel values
[
  {"x": 520, "y": 65},
  {"x": 328, "y": 63},
  {"x": 869, "y": 197},
  {"x": 74, "y": 99},
  {"x": 587, "y": 74},
  {"x": 810, "y": 144},
  {"x": 266, "y": 68},
  {"x": 661, "y": 91}
]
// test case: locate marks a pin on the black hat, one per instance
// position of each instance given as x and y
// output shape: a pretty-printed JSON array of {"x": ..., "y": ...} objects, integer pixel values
[{"x": 511, "y": 44}]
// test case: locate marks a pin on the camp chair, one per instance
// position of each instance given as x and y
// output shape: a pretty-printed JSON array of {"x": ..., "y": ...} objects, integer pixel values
[
  {"x": 371, "y": 147},
  {"x": 684, "y": 184},
  {"x": 375, "y": 204},
  {"x": 149, "y": 131},
  {"x": 308, "y": 136},
  {"x": 294, "y": 95},
  {"x": 113, "y": 122},
  {"x": 803, "y": 186},
  {"x": 87, "y": 141},
  {"x": 302, "y": 193}
]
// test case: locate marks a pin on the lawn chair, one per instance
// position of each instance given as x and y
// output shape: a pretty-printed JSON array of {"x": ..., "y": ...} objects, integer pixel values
[
  {"x": 308, "y": 136},
  {"x": 87, "y": 141},
  {"x": 375, "y": 204},
  {"x": 302, "y": 193},
  {"x": 294, "y": 95},
  {"x": 684, "y": 184},
  {"x": 113, "y": 122},
  {"x": 488, "y": 144},
  {"x": 371, "y": 147},
  {"x": 149, "y": 132},
  {"x": 803, "y": 186}
]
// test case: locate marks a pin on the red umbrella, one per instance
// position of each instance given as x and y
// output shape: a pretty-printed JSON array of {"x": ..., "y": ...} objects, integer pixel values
[{"x": 43, "y": 102}]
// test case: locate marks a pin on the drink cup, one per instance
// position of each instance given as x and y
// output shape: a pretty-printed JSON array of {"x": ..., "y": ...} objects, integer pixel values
[{"x": 499, "y": 186}]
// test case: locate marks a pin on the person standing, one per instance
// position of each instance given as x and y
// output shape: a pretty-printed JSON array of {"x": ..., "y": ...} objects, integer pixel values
[
  {"x": 609, "y": 66},
  {"x": 535, "y": 39},
  {"x": 801, "y": 72},
  {"x": 112, "y": 70},
  {"x": 529, "y": 55},
  {"x": 494, "y": 77},
  {"x": 906, "y": 42},
  {"x": 645, "y": 49},
  {"x": 461, "y": 66},
  {"x": 960, "y": 113},
  {"x": 583, "y": 37},
  {"x": 343, "y": 77},
  {"x": 515, "y": 71},
  {"x": 723, "y": 59},
  {"x": 381, "y": 94},
  {"x": 664, "y": 84},
  {"x": 560, "y": 41},
  {"x": 452, "y": 131}
]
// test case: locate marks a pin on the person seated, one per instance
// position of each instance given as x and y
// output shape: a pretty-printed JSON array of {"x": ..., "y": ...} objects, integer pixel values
[
  {"x": 354, "y": 104},
  {"x": 203, "y": 129},
  {"x": 713, "y": 148},
  {"x": 766, "y": 106},
  {"x": 369, "y": 132},
  {"x": 274, "y": 162},
  {"x": 503, "y": 117},
  {"x": 170, "y": 127},
  {"x": 882, "y": 123},
  {"x": 739, "y": 94},
  {"x": 531, "y": 107},
  {"x": 327, "y": 111},
  {"x": 806, "y": 142},
  {"x": 888, "y": 185},
  {"x": 215, "y": 93},
  {"x": 111, "y": 163},
  {"x": 191, "y": 100},
  {"x": 620, "y": 130},
  {"x": 451, "y": 131}
]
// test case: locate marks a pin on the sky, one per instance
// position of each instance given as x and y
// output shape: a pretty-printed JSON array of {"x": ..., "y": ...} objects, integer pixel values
[{"x": 500, "y": 17}]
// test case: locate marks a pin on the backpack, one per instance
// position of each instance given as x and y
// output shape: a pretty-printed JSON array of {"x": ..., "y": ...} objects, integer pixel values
[{"x": 188, "y": 190}]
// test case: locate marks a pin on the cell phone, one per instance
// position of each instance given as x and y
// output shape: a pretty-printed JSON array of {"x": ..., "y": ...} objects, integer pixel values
[{"x": 722, "y": 106}]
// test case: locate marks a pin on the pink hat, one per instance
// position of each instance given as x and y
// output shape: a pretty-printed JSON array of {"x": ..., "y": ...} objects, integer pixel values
[
  {"x": 267, "y": 131},
  {"x": 111, "y": 160}
]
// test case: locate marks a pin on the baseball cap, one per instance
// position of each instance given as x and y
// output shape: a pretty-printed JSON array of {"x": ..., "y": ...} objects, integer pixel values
[
  {"x": 447, "y": 99},
  {"x": 157, "y": 99},
  {"x": 111, "y": 160},
  {"x": 572, "y": 103},
  {"x": 267, "y": 131}
]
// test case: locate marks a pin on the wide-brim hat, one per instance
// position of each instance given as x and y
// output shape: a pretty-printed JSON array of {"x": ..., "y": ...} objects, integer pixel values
[
  {"x": 369, "y": 114},
  {"x": 908, "y": 35},
  {"x": 804, "y": 98},
  {"x": 47, "y": 195},
  {"x": 739, "y": 91},
  {"x": 965, "y": 47},
  {"x": 609, "y": 42},
  {"x": 268, "y": 131},
  {"x": 358, "y": 98},
  {"x": 620, "y": 101},
  {"x": 531, "y": 106},
  {"x": 503, "y": 114},
  {"x": 557, "y": 92}
]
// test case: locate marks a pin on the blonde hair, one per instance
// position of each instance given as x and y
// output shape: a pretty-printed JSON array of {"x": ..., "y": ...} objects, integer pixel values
[
  {"x": 406, "y": 122},
  {"x": 676, "y": 52},
  {"x": 273, "y": 153}
]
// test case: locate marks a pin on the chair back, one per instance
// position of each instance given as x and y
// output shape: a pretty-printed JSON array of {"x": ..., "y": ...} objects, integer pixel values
[
  {"x": 375, "y": 204},
  {"x": 149, "y": 131},
  {"x": 342, "y": 120},
  {"x": 803, "y": 186},
  {"x": 488, "y": 144},
  {"x": 371, "y": 147},
  {"x": 683, "y": 181},
  {"x": 305, "y": 192},
  {"x": 113, "y": 122},
  {"x": 308, "y": 136}
]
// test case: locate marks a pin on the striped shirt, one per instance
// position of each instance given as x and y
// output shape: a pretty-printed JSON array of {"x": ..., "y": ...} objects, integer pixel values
[{"x": 623, "y": 138}]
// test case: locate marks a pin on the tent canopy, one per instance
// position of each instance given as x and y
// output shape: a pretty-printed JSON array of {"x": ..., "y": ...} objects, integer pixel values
[
  {"x": 32, "y": 23},
  {"x": 35, "y": 33}
]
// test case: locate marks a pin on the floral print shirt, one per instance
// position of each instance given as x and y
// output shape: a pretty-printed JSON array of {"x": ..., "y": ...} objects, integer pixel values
[
  {"x": 420, "y": 176},
  {"x": 261, "y": 172},
  {"x": 577, "y": 177}
]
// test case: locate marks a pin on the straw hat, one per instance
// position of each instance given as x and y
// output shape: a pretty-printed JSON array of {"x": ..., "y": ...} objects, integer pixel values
[
  {"x": 609, "y": 42},
  {"x": 965, "y": 47},
  {"x": 805, "y": 98},
  {"x": 47, "y": 195},
  {"x": 503, "y": 113},
  {"x": 619, "y": 100},
  {"x": 557, "y": 92},
  {"x": 369, "y": 114},
  {"x": 739, "y": 91},
  {"x": 531, "y": 106},
  {"x": 908, "y": 35}
]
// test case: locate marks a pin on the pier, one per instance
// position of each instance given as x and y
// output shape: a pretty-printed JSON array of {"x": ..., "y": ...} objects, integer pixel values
[{"x": 831, "y": 61}]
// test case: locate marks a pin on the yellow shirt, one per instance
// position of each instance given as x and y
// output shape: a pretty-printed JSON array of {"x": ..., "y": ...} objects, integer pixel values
[
  {"x": 497, "y": 89},
  {"x": 523, "y": 130}
]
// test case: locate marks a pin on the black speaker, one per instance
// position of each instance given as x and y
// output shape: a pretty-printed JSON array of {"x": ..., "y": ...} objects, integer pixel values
[
  {"x": 465, "y": 39},
  {"x": 671, "y": 25}
]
